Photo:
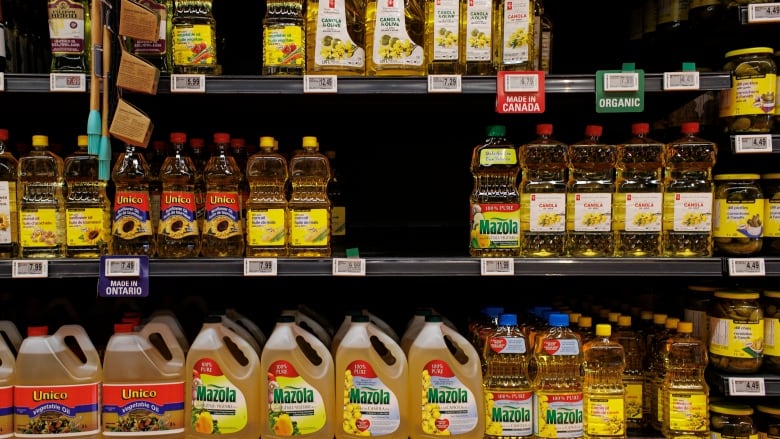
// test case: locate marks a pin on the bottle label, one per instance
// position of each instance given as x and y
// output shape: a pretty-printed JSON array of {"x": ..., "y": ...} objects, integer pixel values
[
  {"x": 561, "y": 346},
  {"x": 62, "y": 410},
  {"x": 606, "y": 416},
  {"x": 634, "y": 400},
  {"x": 497, "y": 156},
  {"x": 691, "y": 211},
  {"x": 2, "y": 41},
  {"x": 507, "y": 345},
  {"x": 158, "y": 47},
  {"x": 223, "y": 215},
  {"x": 738, "y": 219},
  {"x": 642, "y": 212},
  {"x": 338, "y": 220},
  {"x": 701, "y": 323},
  {"x": 137, "y": 409},
  {"x": 6, "y": 411},
  {"x": 509, "y": 413},
  {"x": 479, "y": 30},
  {"x": 309, "y": 227},
  {"x": 547, "y": 212},
  {"x": 392, "y": 44},
  {"x": 742, "y": 339},
  {"x": 715, "y": 435},
  {"x": 749, "y": 95},
  {"x": 193, "y": 45},
  {"x": 218, "y": 406},
  {"x": 446, "y": 20},
  {"x": 517, "y": 31},
  {"x": 703, "y": 3},
  {"x": 38, "y": 227},
  {"x": 177, "y": 215},
  {"x": 283, "y": 46},
  {"x": 370, "y": 407},
  {"x": 334, "y": 46},
  {"x": 8, "y": 228},
  {"x": 66, "y": 27},
  {"x": 132, "y": 218},
  {"x": 266, "y": 227},
  {"x": 495, "y": 225},
  {"x": 558, "y": 415},
  {"x": 672, "y": 11},
  {"x": 85, "y": 227},
  {"x": 688, "y": 412},
  {"x": 772, "y": 337},
  {"x": 295, "y": 407},
  {"x": 772, "y": 218},
  {"x": 592, "y": 212},
  {"x": 448, "y": 406}
]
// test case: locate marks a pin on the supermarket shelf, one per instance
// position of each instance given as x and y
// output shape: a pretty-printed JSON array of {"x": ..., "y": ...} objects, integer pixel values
[
  {"x": 773, "y": 9},
  {"x": 745, "y": 383}
]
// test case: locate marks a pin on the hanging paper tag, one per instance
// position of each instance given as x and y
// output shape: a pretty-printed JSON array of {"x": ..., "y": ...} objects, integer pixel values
[{"x": 520, "y": 92}]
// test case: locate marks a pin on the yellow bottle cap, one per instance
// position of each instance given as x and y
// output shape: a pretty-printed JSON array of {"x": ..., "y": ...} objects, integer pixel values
[
  {"x": 266, "y": 142},
  {"x": 603, "y": 330},
  {"x": 624, "y": 321},
  {"x": 613, "y": 317},
  {"x": 671, "y": 323},
  {"x": 731, "y": 409},
  {"x": 736, "y": 295},
  {"x": 772, "y": 294},
  {"x": 83, "y": 140},
  {"x": 771, "y": 410},
  {"x": 310, "y": 141},
  {"x": 684, "y": 327},
  {"x": 585, "y": 322},
  {"x": 659, "y": 319},
  {"x": 39, "y": 140},
  {"x": 574, "y": 317}
]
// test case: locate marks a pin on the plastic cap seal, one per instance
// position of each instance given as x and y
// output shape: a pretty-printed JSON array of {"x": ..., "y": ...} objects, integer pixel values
[
  {"x": 221, "y": 138},
  {"x": 507, "y": 319},
  {"x": 178, "y": 137},
  {"x": 544, "y": 129},
  {"x": 558, "y": 319}
]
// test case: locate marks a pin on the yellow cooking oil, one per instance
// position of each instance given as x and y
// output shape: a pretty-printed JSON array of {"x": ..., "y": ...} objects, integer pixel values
[
  {"x": 336, "y": 37},
  {"x": 604, "y": 395},
  {"x": 9, "y": 216},
  {"x": 223, "y": 232},
  {"x": 41, "y": 198},
  {"x": 284, "y": 38},
  {"x": 309, "y": 220},
  {"x": 87, "y": 206},
  {"x": 395, "y": 35},
  {"x": 477, "y": 38},
  {"x": 132, "y": 232},
  {"x": 7, "y": 381},
  {"x": 514, "y": 36},
  {"x": 178, "y": 234},
  {"x": 194, "y": 38},
  {"x": 443, "y": 22},
  {"x": 267, "y": 172}
]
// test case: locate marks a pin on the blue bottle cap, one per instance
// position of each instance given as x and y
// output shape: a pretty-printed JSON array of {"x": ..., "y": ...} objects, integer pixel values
[
  {"x": 558, "y": 319},
  {"x": 507, "y": 319}
]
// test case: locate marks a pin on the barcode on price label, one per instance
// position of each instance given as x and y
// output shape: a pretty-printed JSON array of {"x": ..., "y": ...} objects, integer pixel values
[
  {"x": 349, "y": 267},
  {"x": 320, "y": 84},
  {"x": 122, "y": 267},
  {"x": 621, "y": 81},
  {"x": 521, "y": 83},
  {"x": 763, "y": 12},
  {"x": 188, "y": 83},
  {"x": 444, "y": 84},
  {"x": 67, "y": 82},
  {"x": 260, "y": 267},
  {"x": 749, "y": 386},
  {"x": 29, "y": 269},
  {"x": 747, "y": 267},
  {"x": 753, "y": 143},
  {"x": 681, "y": 80},
  {"x": 497, "y": 267}
]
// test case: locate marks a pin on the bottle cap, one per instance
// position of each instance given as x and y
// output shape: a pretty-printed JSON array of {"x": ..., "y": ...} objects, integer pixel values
[
  {"x": 38, "y": 140},
  {"x": 544, "y": 129},
  {"x": 237, "y": 142},
  {"x": 360, "y": 318},
  {"x": 558, "y": 319},
  {"x": 585, "y": 322},
  {"x": 612, "y": 317},
  {"x": 285, "y": 318},
  {"x": 429, "y": 318},
  {"x": 221, "y": 138},
  {"x": 685, "y": 327},
  {"x": 603, "y": 330},
  {"x": 197, "y": 142},
  {"x": 123, "y": 327},
  {"x": 3, "y": 134},
  {"x": 177, "y": 137},
  {"x": 659, "y": 319},
  {"x": 640, "y": 128},
  {"x": 35, "y": 331},
  {"x": 728, "y": 408},
  {"x": 496, "y": 131},
  {"x": 310, "y": 141},
  {"x": 593, "y": 130},
  {"x": 624, "y": 321},
  {"x": 646, "y": 315},
  {"x": 82, "y": 141},
  {"x": 672, "y": 323},
  {"x": 507, "y": 319},
  {"x": 266, "y": 142},
  {"x": 493, "y": 311},
  {"x": 689, "y": 127},
  {"x": 574, "y": 317},
  {"x": 158, "y": 145}
]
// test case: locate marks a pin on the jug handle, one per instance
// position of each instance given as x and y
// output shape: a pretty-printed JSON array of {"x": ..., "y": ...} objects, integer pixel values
[
  {"x": 171, "y": 342},
  {"x": 85, "y": 343}
]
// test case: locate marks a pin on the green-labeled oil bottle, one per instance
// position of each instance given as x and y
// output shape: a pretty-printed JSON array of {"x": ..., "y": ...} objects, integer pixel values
[
  {"x": 69, "y": 37},
  {"x": 284, "y": 38},
  {"x": 395, "y": 38},
  {"x": 178, "y": 234},
  {"x": 309, "y": 220},
  {"x": 194, "y": 38},
  {"x": 157, "y": 52},
  {"x": 515, "y": 35},
  {"x": 9, "y": 216},
  {"x": 223, "y": 232},
  {"x": 443, "y": 22},
  {"x": 132, "y": 232},
  {"x": 267, "y": 173},
  {"x": 336, "y": 37}
]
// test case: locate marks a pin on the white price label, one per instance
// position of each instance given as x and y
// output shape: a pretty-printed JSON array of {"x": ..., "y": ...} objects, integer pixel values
[
  {"x": 29, "y": 269},
  {"x": 521, "y": 83},
  {"x": 188, "y": 83},
  {"x": 497, "y": 267},
  {"x": 621, "y": 81},
  {"x": 67, "y": 82},
  {"x": 746, "y": 386},
  {"x": 2, "y": 81},
  {"x": 320, "y": 84},
  {"x": 349, "y": 267},
  {"x": 122, "y": 267},
  {"x": 747, "y": 267},
  {"x": 681, "y": 80},
  {"x": 763, "y": 12},
  {"x": 260, "y": 267},
  {"x": 752, "y": 143},
  {"x": 444, "y": 84}
]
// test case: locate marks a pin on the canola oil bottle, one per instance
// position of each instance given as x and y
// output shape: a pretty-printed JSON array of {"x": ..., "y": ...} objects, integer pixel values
[
  {"x": 336, "y": 37},
  {"x": 477, "y": 39},
  {"x": 604, "y": 395},
  {"x": 296, "y": 392},
  {"x": 515, "y": 35},
  {"x": 7, "y": 381},
  {"x": 267, "y": 173},
  {"x": 223, "y": 233},
  {"x": 309, "y": 219},
  {"x": 395, "y": 35},
  {"x": 178, "y": 234},
  {"x": 443, "y": 22},
  {"x": 9, "y": 216},
  {"x": 132, "y": 232}
]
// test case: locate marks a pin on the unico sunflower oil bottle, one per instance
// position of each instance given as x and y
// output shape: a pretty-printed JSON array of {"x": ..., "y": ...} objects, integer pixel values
[
  {"x": 336, "y": 37},
  {"x": 395, "y": 32},
  {"x": 223, "y": 234},
  {"x": 604, "y": 395},
  {"x": 7, "y": 381},
  {"x": 445, "y": 371},
  {"x": 309, "y": 220},
  {"x": 178, "y": 234},
  {"x": 57, "y": 387},
  {"x": 132, "y": 232}
]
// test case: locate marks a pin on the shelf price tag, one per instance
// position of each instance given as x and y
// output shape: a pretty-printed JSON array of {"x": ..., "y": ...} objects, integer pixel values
[
  {"x": 620, "y": 91},
  {"x": 752, "y": 143},
  {"x": 764, "y": 13},
  {"x": 260, "y": 267},
  {"x": 349, "y": 267},
  {"x": 746, "y": 386},
  {"x": 320, "y": 84},
  {"x": 29, "y": 269},
  {"x": 2, "y": 81},
  {"x": 747, "y": 267},
  {"x": 497, "y": 267},
  {"x": 123, "y": 276},
  {"x": 122, "y": 267},
  {"x": 444, "y": 84},
  {"x": 188, "y": 83},
  {"x": 681, "y": 80},
  {"x": 520, "y": 92},
  {"x": 67, "y": 82}
]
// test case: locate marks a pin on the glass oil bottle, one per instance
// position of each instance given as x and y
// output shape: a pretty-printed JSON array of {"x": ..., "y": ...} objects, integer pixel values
[
  {"x": 194, "y": 38},
  {"x": 477, "y": 38},
  {"x": 132, "y": 232},
  {"x": 336, "y": 37},
  {"x": 309, "y": 220},
  {"x": 395, "y": 38},
  {"x": 267, "y": 212},
  {"x": 69, "y": 22},
  {"x": 284, "y": 38},
  {"x": 443, "y": 22},
  {"x": 223, "y": 233},
  {"x": 178, "y": 234},
  {"x": 157, "y": 52},
  {"x": 9, "y": 216},
  {"x": 515, "y": 35}
]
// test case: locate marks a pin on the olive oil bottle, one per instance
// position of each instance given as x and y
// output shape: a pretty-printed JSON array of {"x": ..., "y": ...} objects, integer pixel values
[
  {"x": 284, "y": 38},
  {"x": 309, "y": 220},
  {"x": 157, "y": 52},
  {"x": 223, "y": 232},
  {"x": 394, "y": 38},
  {"x": 9, "y": 216},
  {"x": 336, "y": 37},
  {"x": 132, "y": 232},
  {"x": 69, "y": 36},
  {"x": 515, "y": 35},
  {"x": 178, "y": 234},
  {"x": 443, "y": 22},
  {"x": 477, "y": 39},
  {"x": 194, "y": 38}
]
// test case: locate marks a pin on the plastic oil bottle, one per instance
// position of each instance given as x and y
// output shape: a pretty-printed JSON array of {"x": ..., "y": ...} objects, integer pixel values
[
  {"x": 306, "y": 322},
  {"x": 7, "y": 381},
  {"x": 41, "y": 200},
  {"x": 49, "y": 372},
  {"x": 284, "y": 38},
  {"x": 9, "y": 216},
  {"x": 443, "y": 22},
  {"x": 338, "y": 205},
  {"x": 477, "y": 38},
  {"x": 194, "y": 38},
  {"x": 444, "y": 369},
  {"x": 688, "y": 193},
  {"x": 495, "y": 200},
  {"x": 336, "y": 37},
  {"x": 87, "y": 206},
  {"x": 660, "y": 360},
  {"x": 267, "y": 173},
  {"x": 200, "y": 156},
  {"x": 132, "y": 232},
  {"x": 395, "y": 36},
  {"x": 178, "y": 234},
  {"x": 222, "y": 395},
  {"x": 309, "y": 219},
  {"x": 544, "y": 162},
  {"x": 633, "y": 373},
  {"x": 413, "y": 327},
  {"x": 509, "y": 404},
  {"x": 139, "y": 373},
  {"x": 604, "y": 396},
  {"x": 515, "y": 35},
  {"x": 223, "y": 233},
  {"x": 371, "y": 383}
]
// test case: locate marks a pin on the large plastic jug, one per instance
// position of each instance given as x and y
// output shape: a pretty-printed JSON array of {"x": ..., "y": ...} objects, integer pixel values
[
  {"x": 11, "y": 335},
  {"x": 371, "y": 384},
  {"x": 58, "y": 380},
  {"x": 297, "y": 395},
  {"x": 169, "y": 318},
  {"x": 306, "y": 322},
  {"x": 223, "y": 394},
  {"x": 242, "y": 331},
  {"x": 143, "y": 382},
  {"x": 7, "y": 381},
  {"x": 249, "y": 325},
  {"x": 445, "y": 369}
]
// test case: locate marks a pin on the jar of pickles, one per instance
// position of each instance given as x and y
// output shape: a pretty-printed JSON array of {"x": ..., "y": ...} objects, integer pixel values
[
  {"x": 767, "y": 420},
  {"x": 771, "y": 307},
  {"x": 730, "y": 420},
  {"x": 749, "y": 105},
  {"x": 736, "y": 331},
  {"x": 770, "y": 185},
  {"x": 738, "y": 212}
]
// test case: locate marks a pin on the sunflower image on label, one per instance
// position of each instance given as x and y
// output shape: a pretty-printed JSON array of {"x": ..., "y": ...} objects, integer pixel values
[
  {"x": 370, "y": 407},
  {"x": 295, "y": 407},
  {"x": 448, "y": 406},
  {"x": 218, "y": 405},
  {"x": 223, "y": 215},
  {"x": 6, "y": 411},
  {"x": 310, "y": 227},
  {"x": 131, "y": 215},
  {"x": 333, "y": 45},
  {"x": 559, "y": 414},
  {"x": 57, "y": 410},
  {"x": 392, "y": 43},
  {"x": 177, "y": 215},
  {"x": 139, "y": 408},
  {"x": 85, "y": 227}
]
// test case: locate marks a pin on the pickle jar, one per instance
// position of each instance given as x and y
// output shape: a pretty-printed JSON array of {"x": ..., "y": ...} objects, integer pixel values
[
  {"x": 697, "y": 302},
  {"x": 749, "y": 105},
  {"x": 767, "y": 421},
  {"x": 738, "y": 214},
  {"x": 771, "y": 307},
  {"x": 770, "y": 184},
  {"x": 730, "y": 420},
  {"x": 736, "y": 331}
]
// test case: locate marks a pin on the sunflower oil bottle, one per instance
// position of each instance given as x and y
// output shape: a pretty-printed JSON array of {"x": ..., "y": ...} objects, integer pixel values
[
  {"x": 515, "y": 35},
  {"x": 309, "y": 219},
  {"x": 223, "y": 234},
  {"x": 41, "y": 202},
  {"x": 336, "y": 37},
  {"x": 650, "y": 403},
  {"x": 267, "y": 173},
  {"x": 132, "y": 232},
  {"x": 477, "y": 38},
  {"x": 7, "y": 381},
  {"x": 178, "y": 234},
  {"x": 194, "y": 38},
  {"x": 633, "y": 373},
  {"x": 284, "y": 38},
  {"x": 395, "y": 36},
  {"x": 604, "y": 395},
  {"x": 444, "y": 20},
  {"x": 9, "y": 216},
  {"x": 155, "y": 158}
]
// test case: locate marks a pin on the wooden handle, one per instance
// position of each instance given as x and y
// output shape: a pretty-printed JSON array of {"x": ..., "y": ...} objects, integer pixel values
[
  {"x": 97, "y": 38},
  {"x": 107, "y": 41}
]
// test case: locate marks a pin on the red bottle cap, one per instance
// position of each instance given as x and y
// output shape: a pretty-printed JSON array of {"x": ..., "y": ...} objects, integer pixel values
[
  {"x": 221, "y": 138},
  {"x": 120, "y": 328},
  {"x": 593, "y": 130},
  {"x": 544, "y": 129},
  {"x": 35, "y": 331},
  {"x": 178, "y": 137},
  {"x": 237, "y": 142},
  {"x": 3, "y": 134},
  {"x": 690, "y": 127},
  {"x": 197, "y": 142},
  {"x": 640, "y": 128}
]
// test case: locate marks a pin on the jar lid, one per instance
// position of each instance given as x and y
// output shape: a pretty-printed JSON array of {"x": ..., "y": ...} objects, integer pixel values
[
  {"x": 737, "y": 177},
  {"x": 731, "y": 408},
  {"x": 749, "y": 50},
  {"x": 702, "y": 288},
  {"x": 771, "y": 176},
  {"x": 772, "y": 294},
  {"x": 772, "y": 410},
  {"x": 736, "y": 295}
]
